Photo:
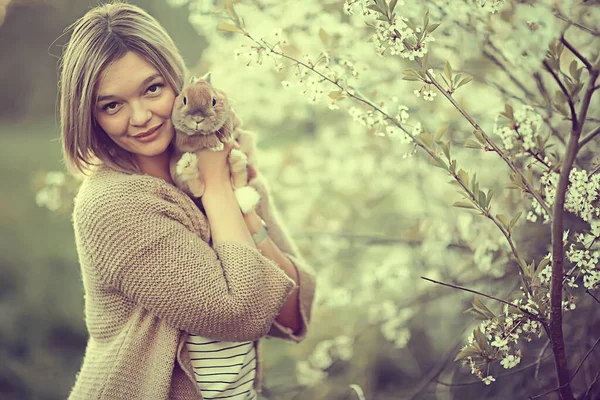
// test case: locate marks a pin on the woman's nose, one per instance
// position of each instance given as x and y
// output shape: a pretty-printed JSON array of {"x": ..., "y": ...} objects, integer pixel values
[{"x": 140, "y": 115}]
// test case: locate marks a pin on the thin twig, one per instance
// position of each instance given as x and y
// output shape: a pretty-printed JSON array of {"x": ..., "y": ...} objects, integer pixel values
[
  {"x": 565, "y": 91},
  {"x": 531, "y": 315},
  {"x": 539, "y": 359},
  {"x": 515, "y": 371},
  {"x": 507, "y": 71},
  {"x": 591, "y": 294},
  {"x": 572, "y": 376},
  {"x": 576, "y": 24},
  {"x": 569, "y": 46},
  {"x": 589, "y": 390},
  {"x": 589, "y": 137},
  {"x": 435, "y": 372},
  {"x": 584, "y": 358}
]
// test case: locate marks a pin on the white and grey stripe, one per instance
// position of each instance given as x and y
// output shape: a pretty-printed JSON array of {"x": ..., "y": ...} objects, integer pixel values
[{"x": 223, "y": 370}]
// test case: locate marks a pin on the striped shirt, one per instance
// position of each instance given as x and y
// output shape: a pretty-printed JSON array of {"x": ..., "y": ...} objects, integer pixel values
[{"x": 223, "y": 370}]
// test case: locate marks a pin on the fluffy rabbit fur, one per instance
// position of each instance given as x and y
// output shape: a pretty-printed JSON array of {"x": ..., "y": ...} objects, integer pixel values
[{"x": 203, "y": 118}]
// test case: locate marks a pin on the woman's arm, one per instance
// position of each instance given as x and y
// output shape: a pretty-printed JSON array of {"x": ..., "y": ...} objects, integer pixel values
[
  {"x": 228, "y": 224},
  {"x": 289, "y": 315},
  {"x": 224, "y": 215},
  {"x": 285, "y": 251},
  {"x": 144, "y": 241}
]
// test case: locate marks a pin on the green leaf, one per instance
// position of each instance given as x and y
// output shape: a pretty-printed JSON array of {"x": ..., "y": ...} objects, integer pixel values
[
  {"x": 508, "y": 110},
  {"x": 231, "y": 11},
  {"x": 476, "y": 313},
  {"x": 410, "y": 71},
  {"x": 468, "y": 352},
  {"x": 411, "y": 78},
  {"x": 512, "y": 186},
  {"x": 515, "y": 219},
  {"x": 324, "y": 37},
  {"x": 228, "y": 27},
  {"x": 464, "y": 81},
  {"x": 448, "y": 72},
  {"x": 446, "y": 149},
  {"x": 477, "y": 303},
  {"x": 573, "y": 69},
  {"x": 425, "y": 62},
  {"x": 441, "y": 132},
  {"x": 482, "y": 200},
  {"x": 453, "y": 167},
  {"x": 479, "y": 136},
  {"x": 472, "y": 144},
  {"x": 489, "y": 196},
  {"x": 393, "y": 5},
  {"x": 503, "y": 220},
  {"x": 439, "y": 163},
  {"x": 479, "y": 338},
  {"x": 541, "y": 266},
  {"x": 427, "y": 139},
  {"x": 410, "y": 25},
  {"x": 463, "y": 177},
  {"x": 336, "y": 95},
  {"x": 432, "y": 28},
  {"x": 426, "y": 19},
  {"x": 374, "y": 7},
  {"x": 464, "y": 204}
]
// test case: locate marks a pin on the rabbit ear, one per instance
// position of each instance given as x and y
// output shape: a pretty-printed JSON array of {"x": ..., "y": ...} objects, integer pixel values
[
  {"x": 193, "y": 80},
  {"x": 206, "y": 77}
]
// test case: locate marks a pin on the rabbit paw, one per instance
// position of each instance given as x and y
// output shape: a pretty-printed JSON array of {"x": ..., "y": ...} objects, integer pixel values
[
  {"x": 247, "y": 198},
  {"x": 220, "y": 146},
  {"x": 237, "y": 160},
  {"x": 187, "y": 166}
]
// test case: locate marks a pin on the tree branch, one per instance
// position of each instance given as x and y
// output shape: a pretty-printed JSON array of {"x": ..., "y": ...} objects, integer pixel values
[
  {"x": 594, "y": 297},
  {"x": 529, "y": 313},
  {"x": 572, "y": 376},
  {"x": 589, "y": 390},
  {"x": 556, "y": 290},
  {"x": 488, "y": 140},
  {"x": 576, "y": 24},
  {"x": 589, "y": 137},
  {"x": 565, "y": 91},
  {"x": 569, "y": 46}
]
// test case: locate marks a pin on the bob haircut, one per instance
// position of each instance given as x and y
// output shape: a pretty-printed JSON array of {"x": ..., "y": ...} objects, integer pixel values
[{"x": 102, "y": 36}]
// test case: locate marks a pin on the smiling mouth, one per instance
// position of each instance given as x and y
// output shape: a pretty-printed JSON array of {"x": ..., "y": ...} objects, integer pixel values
[{"x": 150, "y": 132}]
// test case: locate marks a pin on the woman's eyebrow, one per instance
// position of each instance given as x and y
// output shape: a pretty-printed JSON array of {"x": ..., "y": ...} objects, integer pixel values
[{"x": 144, "y": 83}]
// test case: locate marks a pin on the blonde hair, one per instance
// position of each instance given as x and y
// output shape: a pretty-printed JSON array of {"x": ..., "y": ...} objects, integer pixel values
[{"x": 102, "y": 36}]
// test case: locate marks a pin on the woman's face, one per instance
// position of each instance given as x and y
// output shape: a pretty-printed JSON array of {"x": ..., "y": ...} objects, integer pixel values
[{"x": 134, "y": 100}]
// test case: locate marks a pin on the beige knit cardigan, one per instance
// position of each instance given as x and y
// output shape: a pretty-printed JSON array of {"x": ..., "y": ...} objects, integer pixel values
[{"x": 150, "y": 277}]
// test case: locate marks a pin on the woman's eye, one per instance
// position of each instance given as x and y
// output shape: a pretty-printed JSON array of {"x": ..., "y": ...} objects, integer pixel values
[
  {"x": 156, "y": 87},
  {"x": 214, "y": 101},
  {"x": 110, "y": 107}
]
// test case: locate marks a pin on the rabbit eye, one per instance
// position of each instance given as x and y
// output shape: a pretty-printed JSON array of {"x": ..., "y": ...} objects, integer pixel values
[
  {"x": 214, "y": 102},
  {"x": 184, "y": 100}
]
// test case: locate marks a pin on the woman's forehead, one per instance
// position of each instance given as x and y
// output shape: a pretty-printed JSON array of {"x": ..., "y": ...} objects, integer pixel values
[{"x": 126, "y": 73}]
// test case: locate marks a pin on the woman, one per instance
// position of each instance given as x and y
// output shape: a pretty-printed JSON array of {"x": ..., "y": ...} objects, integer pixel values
[{"x": 177, "y": 295}]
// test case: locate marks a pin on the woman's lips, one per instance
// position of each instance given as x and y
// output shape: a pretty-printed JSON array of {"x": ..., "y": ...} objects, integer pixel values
[{"x": 150, "y": 136}]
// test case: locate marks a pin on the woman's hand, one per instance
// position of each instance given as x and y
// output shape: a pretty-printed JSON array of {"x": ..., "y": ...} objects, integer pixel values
[{"x": 213, "y": 166}]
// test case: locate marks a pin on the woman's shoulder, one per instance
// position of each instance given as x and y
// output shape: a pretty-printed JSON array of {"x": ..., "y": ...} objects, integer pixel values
[{"x": 109, "y": 190}]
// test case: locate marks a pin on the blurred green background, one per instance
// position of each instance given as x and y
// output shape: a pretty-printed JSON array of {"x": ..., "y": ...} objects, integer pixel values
[{"x": 42, "y": 329}]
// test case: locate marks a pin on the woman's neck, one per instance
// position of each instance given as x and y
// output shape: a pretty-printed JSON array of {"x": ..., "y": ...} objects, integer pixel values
[{"x": 157, "y": 166}]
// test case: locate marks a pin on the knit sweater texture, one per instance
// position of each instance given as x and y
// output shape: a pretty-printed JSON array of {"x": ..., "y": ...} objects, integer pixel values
[{"x": 151, "y": 276}]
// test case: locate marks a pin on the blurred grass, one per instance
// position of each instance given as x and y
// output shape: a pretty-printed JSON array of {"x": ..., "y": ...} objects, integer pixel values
[{"x": 42, "y": 331}]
